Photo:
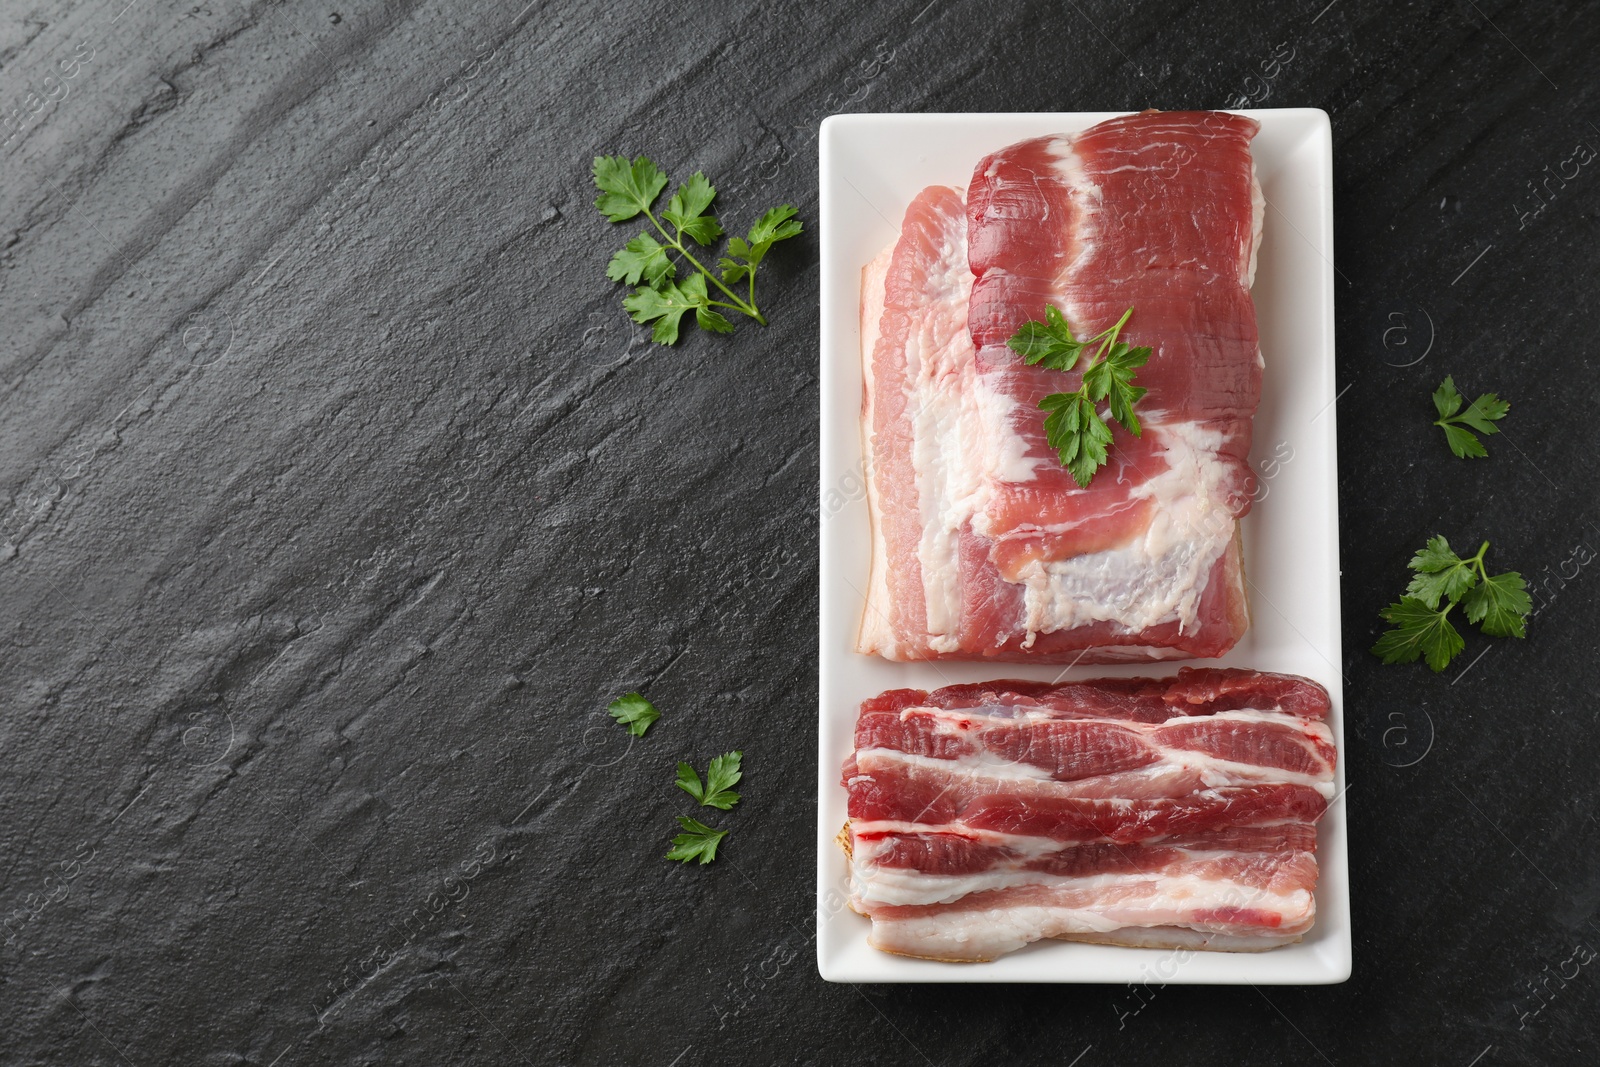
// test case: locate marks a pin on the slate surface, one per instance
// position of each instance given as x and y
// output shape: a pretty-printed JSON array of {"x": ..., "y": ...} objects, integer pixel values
[{"x": 337, "y": 498}]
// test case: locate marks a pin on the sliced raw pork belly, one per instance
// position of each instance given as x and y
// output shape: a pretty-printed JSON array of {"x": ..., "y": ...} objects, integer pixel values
[
  {"x": 983, "y": 545},
  {"x": 1178, "y": 812}
]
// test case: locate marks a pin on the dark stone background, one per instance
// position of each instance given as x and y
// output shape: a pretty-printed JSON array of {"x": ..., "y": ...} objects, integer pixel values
[{"x": 338, "y": 497}]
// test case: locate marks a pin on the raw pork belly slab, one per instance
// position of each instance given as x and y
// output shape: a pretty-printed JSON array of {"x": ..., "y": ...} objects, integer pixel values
[
  {"x": 1159, "y": 813},
  {"x": 983, "y": 545}
]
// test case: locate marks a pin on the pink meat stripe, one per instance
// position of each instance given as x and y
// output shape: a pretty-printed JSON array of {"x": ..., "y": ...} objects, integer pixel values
[
  {"x": 984, "y": 547},
  {"x": 1177, "y": 812}
]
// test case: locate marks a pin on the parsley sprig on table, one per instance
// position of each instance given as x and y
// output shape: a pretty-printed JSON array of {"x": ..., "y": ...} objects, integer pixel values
[
  {"x": 1497, "y": 604},
  {"x": 698, "y": 842},
  {"x": 1074, "y": 427},
  {"x": 628, "y": 190},
  {"x": 1481, "y": 415},
  {"x": 721, "y": 776}
]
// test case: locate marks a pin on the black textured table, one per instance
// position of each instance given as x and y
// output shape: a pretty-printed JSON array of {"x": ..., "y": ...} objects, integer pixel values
[{"x": 338, "y": 497}]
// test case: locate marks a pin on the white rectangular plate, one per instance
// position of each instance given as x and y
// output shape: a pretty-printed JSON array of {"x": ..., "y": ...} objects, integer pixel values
[{"x": 871, "y": 167}]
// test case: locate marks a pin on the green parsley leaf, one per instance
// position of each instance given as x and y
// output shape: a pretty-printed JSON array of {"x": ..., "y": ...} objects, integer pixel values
[
  {"x": 1075, "y": 431},
  {"x": 1462, "y": 442},
  {"x": 732, "y": 270},
  {"x": 1073, "y": 425},
  {"x": 1500, "y": 606},
  {"x": 746, "y": 253},
  {"x": 634, "y": 712},
  {"x": 1481, "y": 415},
  {"x": 642, "y": 258},
  {"x": 691, "y": 199},
  {"x": 1435, "y": 556},
  {"x": 702, "y": 230},
  {"x": 630, "y": 188},
  {"x": 1115, "y": 385},
  {"x": 1048, "y": 343},
  {"x": 1446, "y": 401},
  {"x": 686, "y": 210},
  {"x": 712, "y": 320},
  {"x": 721, "y": 777},
  {"x": 777, "y": 224},
  {"x": 666, "y": 306},
  {"x": 1441, "y": 574},
  {"x": 1484, "y": 412},
  {"x": 626, "y": 188},
  {"x": 1418, "y": 631},
  {"x": 698, "y": 843},
  {"x": 689, "y": 781}
]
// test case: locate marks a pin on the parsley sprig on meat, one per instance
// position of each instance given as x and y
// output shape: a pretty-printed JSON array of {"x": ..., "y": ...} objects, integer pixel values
[{"x": 1074, "y": 427}]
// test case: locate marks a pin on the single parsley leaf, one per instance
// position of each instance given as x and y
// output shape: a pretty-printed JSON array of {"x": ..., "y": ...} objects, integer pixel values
[
  {"x": 1480, "y": 415},
  {"x": 1062, "y": 423},
  {"x": 1441, "y": 574},
  {"x": 698, "y": 843},
  {"x": 1074, "y": 429},
  {"x": 1048, "y": 343},
  {"x": 1436, "y": 555},
  {"x": 691, "y": 199},
  {"x": 689, "y": 782},
  {"x": 1500, "y": 606},
  {"x": 702, "y": 230},
  {"x": 634, "y": 712},
  {"x": 746, "y": 253},
  {"x": 642, "y": 258},
  {"x": 666, "y": 306},
  {"x": 777, "y": 224},
  {"x": 1121, "y": 394},
  {"x": 1484, "y": 412},
  {"x": 732, "y": 269},
  {"x": 1419, "y": 631},
  {"x": 721, "y": 776},
  {"x": 686, "y": 210},
  {"x": 1446, "y": 401},
  {"x": 1462, "y": 442},
  {"x": 712, "y": 320},
  {"x": 626, "y": 188}
]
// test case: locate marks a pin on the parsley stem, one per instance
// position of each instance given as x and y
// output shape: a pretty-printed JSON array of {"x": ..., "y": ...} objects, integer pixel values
[
  {"x": 737, "y": 305},
  {"x": 1477, "y": 561},
  {"x": 1107, "y": 337}
]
